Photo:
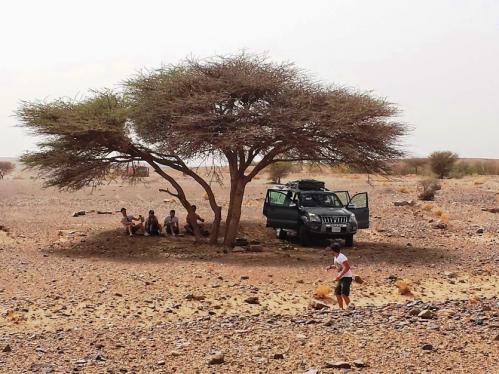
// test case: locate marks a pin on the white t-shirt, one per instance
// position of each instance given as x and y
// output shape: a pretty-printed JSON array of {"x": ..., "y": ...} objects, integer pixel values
[
  {"x": 127, "y": 221},
  {"x": 169, "y": 220},
  {"x": 338, "y": 261}
]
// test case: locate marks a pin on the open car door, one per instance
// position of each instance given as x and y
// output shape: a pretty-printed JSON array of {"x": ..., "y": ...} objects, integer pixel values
[
  {"x": 344, "y": 197},
  {"x": 280, "y": 210},
  {"x": 359, "y": 205}
]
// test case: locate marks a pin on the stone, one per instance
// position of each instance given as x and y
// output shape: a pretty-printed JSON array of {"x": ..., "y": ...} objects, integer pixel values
[
  {"x": 161, "y": 363},
  {"x": 78, "y": 213},
  {"x": 278, "y": 356},
  {"x": 360, "y": 363},
  {"x": 426, "y": 314},
  {"x": 427, "y": 347},
  {"x": 217, "y": 358},
  {"x": 195, "y": 297},
  {"x": 480, "y": 230},
  {"x": 255, "y": 248},
  {"x": 450, "y": 274},
  {"x": 7, "y": 349},
  {"x": 311, "y": 371},
  {"x": 440, "y": 226},
  {"x": 414, "y": 312},
  {"x": 318, "y": 305},
  {"x": 238, "y": 249},
  {"x": 496, "y": 339},
  {"x": 337, "y": 365},
  {"x": 404, "y": 203},
  {"x": 491, "y": 210},
  {"x": 358, "y": 279},
  {"x": 252, "y": 300}
]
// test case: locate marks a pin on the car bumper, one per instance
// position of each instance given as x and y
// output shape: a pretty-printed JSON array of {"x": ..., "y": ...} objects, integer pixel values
[{"x": 330, "y": 230}]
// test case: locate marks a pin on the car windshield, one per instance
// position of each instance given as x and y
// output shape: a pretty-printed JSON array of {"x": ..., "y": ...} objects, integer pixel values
[{"x": 328, "y": 200}]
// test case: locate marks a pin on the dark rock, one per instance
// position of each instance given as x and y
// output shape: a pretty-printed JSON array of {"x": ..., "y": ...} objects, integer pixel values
[
  {"x": 252, "y": 300},
  {"x": 358, "y": 279},
  {"x": 7, "y": 349},
  {"x": 79, "y": 213},
  {"x": 427, "y": 347},
  {"x": 337, "y": 365},
  {"x": 278, "y": 356},
  {"x": 318, "y": 305},
  {"x": 216, "y": 358},
  {"x": 427, "y": 314},
  {"x": 360, "y": 364},
  {"x": 480, "y": 230}
]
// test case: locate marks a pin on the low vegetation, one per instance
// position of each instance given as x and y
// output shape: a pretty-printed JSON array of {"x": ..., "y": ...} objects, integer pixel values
[
  {"x": 6, "y": 167},
  {"x": 429, "y": 187}
]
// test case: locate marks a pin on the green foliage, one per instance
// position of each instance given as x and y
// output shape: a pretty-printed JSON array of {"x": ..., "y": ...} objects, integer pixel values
[
  {"x": 279, "y": 170},
  {"x": 442, "y": 162},
  {"x": 475, "y": 167}
]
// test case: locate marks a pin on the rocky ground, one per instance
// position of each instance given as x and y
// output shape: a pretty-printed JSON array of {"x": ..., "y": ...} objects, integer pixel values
[{"x": 76, "y": 295}]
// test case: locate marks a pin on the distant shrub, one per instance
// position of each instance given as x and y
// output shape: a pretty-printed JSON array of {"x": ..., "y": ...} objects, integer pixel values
[
  {"x": 279, "y": 170},
  {"x": 418, "y": 166},
  {"x": 475, "y": 167},
  {"x": 442, "y": 163},
  {"x": 429, "y": 187},
  {"x": 6, "y": 167}
]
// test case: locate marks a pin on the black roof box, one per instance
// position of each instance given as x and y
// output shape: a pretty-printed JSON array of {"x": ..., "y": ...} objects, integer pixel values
[{"x": 307, "y": 185}]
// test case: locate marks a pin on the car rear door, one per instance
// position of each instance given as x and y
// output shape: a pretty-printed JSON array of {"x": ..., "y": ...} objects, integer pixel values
[
  {"x": 279, "y": 210},
  {"x": 359, "y": 205}
]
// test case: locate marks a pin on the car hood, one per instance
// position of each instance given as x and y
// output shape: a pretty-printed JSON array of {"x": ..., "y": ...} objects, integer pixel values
[{"x": 326, "y": 211}]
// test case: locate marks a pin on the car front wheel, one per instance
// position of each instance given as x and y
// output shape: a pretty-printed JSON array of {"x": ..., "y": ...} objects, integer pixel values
[{"x": 303, "y": 236}]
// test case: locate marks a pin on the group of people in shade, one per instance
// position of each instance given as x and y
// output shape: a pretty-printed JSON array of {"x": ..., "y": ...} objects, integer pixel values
[{"x": 152, "y": 227}]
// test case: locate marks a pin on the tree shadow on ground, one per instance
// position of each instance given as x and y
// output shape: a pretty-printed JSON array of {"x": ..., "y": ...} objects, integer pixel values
[{"x": 115, "y": 245}]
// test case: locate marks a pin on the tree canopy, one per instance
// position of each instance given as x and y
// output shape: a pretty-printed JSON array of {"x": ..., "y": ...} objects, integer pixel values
[{"x": 243, "y": 111}]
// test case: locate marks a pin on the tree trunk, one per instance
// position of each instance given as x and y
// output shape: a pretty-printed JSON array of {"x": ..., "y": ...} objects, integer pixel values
[{"x": 235, "y": 203}]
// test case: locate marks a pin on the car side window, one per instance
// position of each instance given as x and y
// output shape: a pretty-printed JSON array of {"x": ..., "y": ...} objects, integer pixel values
[{"x": 276, "y": 198}]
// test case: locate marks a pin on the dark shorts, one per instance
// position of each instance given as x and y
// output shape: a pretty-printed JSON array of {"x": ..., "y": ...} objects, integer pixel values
[{"x": 343, "y": 286}]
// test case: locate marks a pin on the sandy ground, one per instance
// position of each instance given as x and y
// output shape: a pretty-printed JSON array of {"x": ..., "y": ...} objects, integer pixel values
[{"x": 77, "y": 295}]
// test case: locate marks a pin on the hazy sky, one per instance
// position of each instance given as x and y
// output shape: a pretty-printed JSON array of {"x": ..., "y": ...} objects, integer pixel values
[{"x": 438, "y": 60}]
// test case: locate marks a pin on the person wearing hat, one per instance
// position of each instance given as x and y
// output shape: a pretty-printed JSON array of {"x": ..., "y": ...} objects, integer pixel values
[
  {"x": 127, "y": 222},
  {"x": 344, "y": 277},
  {"x": 152, "y": 225}
]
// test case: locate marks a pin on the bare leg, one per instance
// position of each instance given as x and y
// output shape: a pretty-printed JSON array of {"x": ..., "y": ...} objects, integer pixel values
[
  {"x": 340, "y": 301},
  {"x": 346, "y": 299}
]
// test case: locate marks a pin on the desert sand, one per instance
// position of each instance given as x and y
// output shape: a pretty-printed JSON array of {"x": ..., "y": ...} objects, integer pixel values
[{"x": 77, "y": 295}]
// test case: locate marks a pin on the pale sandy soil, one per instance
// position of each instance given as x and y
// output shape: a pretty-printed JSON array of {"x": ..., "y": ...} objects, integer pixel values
[{"x": 78, "y": 295}]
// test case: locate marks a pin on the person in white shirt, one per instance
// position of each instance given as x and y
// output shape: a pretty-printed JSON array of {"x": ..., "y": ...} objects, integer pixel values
[
  {"x": 171, "y": 224},
  {"x": 127, "y": 222},
  {"x": 344, "y": 277}
]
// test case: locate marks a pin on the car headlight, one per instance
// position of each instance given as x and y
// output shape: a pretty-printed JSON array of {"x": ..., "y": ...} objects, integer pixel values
[
  {"x": 353, "y": 219},
  {"x": 312, "y": 217}
]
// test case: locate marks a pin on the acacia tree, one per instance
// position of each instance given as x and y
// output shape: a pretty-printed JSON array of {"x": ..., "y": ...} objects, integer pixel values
[
  {"x": 442, "y": 162},
  {"x": 242, "y": 111},
  {"x": 250, "y": 113}
]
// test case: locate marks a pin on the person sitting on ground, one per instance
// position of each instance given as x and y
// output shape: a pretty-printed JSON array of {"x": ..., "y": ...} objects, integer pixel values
[
  {"x": 152, "y": 224},
  {"x": 127, "y": 222},
  {"x": 344, "y": 277},
  {"x": 171, "y": 224},
  {"x": 194, "y": 218}
]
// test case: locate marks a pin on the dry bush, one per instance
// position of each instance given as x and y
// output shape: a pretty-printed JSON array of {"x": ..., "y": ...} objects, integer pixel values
[
  {"x": 279, "y": 170},
  {"x": 475, "y": 167},
  {"x": 442, "y": 163},
  {"x": 429, "y": 187},
  {"x": 403, "y": 190},
  {"x": 322, "y": 292},
  {"x": 6, "y": 167},
  {"x": 427, "y": 207},
  {"x": 403, "y": 287}
]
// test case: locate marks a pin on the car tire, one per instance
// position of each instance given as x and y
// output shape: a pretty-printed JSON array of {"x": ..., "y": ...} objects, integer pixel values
[
  {"x": 303, "y": 236},
  {"x": 281, "y": 234},
  {"x": 349, "y": 241}
]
